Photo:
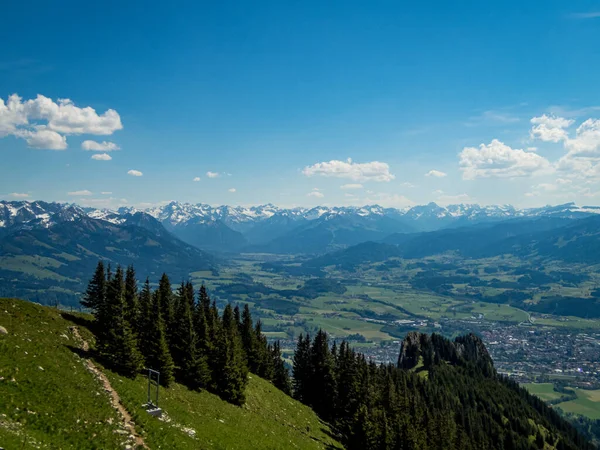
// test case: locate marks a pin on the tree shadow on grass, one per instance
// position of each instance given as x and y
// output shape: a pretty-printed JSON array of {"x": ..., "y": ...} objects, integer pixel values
[{"x": 81, "y": 321}]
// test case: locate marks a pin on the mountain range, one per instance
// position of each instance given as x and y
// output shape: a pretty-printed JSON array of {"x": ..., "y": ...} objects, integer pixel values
[{"x": 270, "y": 229}]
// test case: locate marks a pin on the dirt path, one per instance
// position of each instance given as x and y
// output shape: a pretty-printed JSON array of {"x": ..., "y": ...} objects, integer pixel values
[{"x": 127, "y": 423}]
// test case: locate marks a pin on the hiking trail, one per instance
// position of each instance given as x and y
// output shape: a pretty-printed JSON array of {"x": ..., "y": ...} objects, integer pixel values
[{"x": 127, "y": 424}]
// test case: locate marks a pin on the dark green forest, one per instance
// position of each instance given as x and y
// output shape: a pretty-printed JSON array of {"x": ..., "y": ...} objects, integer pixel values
[{"x": 442, "y": 394}]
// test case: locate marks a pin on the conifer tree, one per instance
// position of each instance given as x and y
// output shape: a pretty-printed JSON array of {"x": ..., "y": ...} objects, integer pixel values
[
  {"x": 192, "y": 366},
  {"x": 302, "y": 369},
  {"x": 117, "y": 342},
  {"x": 323, "y": 384},
  {"x": 281, "y": 375},
  {"x": 249, "y": 340},
  {"x": 231, "y": 374},
  {"x": 95, "y": 294},
  {"x": 158, "y": 356},
  {"x": 132, "y": 307},
  {"x": 265, "y": 364},
  {"x": 144, "y": 324},
  {"x": 165, "y": 299}
]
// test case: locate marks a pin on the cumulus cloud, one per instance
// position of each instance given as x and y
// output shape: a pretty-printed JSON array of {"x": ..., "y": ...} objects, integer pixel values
[
  {"x": 84, "y": 192},
  {"x": 210, "y": 174},
  {"x": 102, "y": 157},
  {"x": 41, "y": 138},
  {"x": 435, "y": 173},
  {"x": 499, "y": 160},
  {"x": 370, "y": 171},
  {"x": 231, "y": 190},
  {"x": 352, "y": 186},
  {"x": 135, "y": 173},
  {"x": 196, "y": 179},
  {"x": 316, "y": 194},
  {"x": 550, "y": 128},
  {"x": 44, "y": 123},
  {"x": 18, "y": 195},
  {"x": 103, "y": 146},
  {"x": 587, "y": 139}
]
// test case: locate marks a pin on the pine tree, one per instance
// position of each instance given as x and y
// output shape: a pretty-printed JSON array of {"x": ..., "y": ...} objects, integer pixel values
[
  {"x": 117, "y": 342},
  {"x": 132, "y": 307},
  {"x": 95, "y": 294}
]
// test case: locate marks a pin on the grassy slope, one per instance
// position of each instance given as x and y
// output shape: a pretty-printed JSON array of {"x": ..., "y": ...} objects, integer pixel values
[{"x": 62, "y": 406}]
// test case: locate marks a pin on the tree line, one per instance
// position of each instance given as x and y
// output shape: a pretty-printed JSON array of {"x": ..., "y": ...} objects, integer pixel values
[
  {"x": 442, "y": 394},
  {"x": 180, "y": 334}
]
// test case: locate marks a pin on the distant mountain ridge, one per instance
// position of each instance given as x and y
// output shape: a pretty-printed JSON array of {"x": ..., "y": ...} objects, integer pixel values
[{"x": 268, "y": 228}]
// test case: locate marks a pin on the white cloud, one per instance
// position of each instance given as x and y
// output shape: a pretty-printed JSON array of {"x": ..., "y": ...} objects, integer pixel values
[
  {"x": 135, "y": 173},
  {"x": 349, "y": 195},
  {"x": 352, "y": 186},
  {"x": 532, "y": 194},
  {"x": 546, "y": 187},
  {"x": 44, "y": 123},
  {"x": 587, "y": 139},
  {"x": 210, "y": 174},
  {"x": 103, "y": 146},
  {"x": 196, "y": 179},
  {"x": 106, "y": 202},
  {"x": 408, "y": 185},
  {"x": 499, "y": 160},
  {"x": 532, "y": 149},
  {"x": 563, "y": 181},
  {"x": 435, "y": 173},
  {"x": 370, "y": 171},
  {"x": 231, "y": 190},
  {"x": 315, "y": 194},
  {"x": 453, "y": 199},
  {"x": 102, "y": 157},
  {"x": 84, "y": 192},
  {"x": 550, "y": 128},
  {"x": 388, "y": 200},
  {"x": 18, "y": 195},
  {"x": 106, "y": 193},
  {"x": 41, "y": 138},
  {"x": 438, "y": 192}
]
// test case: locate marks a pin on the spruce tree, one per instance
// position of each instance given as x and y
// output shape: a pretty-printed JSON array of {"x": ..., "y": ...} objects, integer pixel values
[
  {"x": 144, "y": 324},
  {"x": 323, "y": 384},
  {"x": 158, "y": 356},
  {"x": 165, "y": 300},
  {"x": 249, "y": 339},
  {"x": 302, "y": 369},
  {"x": 231, "y": 374},
  {"x": 281, "y": 375},
  {"x": 132, "y": 307},
  {"x": 95, "y": 294},
  {"x": 117, "y": 342},
  {"x": 192, "y": 365}
]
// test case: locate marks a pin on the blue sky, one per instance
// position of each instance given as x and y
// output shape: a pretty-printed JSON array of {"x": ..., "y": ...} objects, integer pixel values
[{"x": 453, "y": 102}]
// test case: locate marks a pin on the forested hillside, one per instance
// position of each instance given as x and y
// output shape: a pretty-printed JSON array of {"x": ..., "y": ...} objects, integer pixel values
[{"x": 442, "y": 394}]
